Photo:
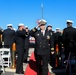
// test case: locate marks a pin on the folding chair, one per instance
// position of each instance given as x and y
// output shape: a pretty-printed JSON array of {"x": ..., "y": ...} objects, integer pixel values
[
  {"x": 5, "y": 53},
  {"x": 1, "y": 63}
]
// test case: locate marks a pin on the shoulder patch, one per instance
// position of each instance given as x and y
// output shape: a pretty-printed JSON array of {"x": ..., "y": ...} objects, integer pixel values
[
  {"x": 51, "y": 33},
  {"x": 34, "y": 29}
]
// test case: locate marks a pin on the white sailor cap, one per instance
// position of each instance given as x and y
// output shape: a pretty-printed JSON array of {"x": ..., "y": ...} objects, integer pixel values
[
  {"x": 20, "y": 24},
  {"x": 26, "y": 26},
  {"x": 49, "y": 25},
  {"x": 42, "y": 21},
  {"x": 57, "y": 28},
  {"x": 69, "y": 21},
  {"x": 8, "y": 25}
]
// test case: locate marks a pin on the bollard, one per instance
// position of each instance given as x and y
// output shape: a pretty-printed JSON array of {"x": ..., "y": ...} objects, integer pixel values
[{"x": 13, "y": 56}]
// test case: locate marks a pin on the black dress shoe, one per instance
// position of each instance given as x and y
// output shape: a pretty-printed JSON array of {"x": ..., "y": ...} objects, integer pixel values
[
  {"x": 1, "y": 72},
  {"x": 22, "y": 72},
  {"x": 25, "y": 61},
  {"x": 17, "y": 73}
]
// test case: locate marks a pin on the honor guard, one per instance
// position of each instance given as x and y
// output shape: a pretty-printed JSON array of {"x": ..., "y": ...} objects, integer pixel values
[
  {"x": 20, "y": 44},
  {"x": 52, "y": 56},
  {"x": 26, "y": 44},
  {"x": 57, "y": 38},
  {"x": 8, "y": 37},
  {"x": 58, "y": 42},
  {"x": 69, "y": 38}
]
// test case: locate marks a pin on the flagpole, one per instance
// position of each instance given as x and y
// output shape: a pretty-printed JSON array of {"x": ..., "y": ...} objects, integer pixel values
[{"x": 42, "y": 9}]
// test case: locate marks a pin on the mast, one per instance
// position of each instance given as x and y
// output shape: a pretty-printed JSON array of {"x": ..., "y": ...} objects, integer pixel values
[{"x": 42, "y": 10}]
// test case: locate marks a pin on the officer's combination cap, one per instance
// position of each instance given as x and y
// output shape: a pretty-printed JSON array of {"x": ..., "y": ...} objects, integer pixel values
[{"x": 42, "y": 22}]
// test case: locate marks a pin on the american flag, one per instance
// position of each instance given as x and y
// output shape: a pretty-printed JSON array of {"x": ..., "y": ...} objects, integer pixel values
[{"x": 38, "y": 21}]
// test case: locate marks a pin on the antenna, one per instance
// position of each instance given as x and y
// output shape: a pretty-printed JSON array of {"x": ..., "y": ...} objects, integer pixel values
[{"x": 42, "y": 9}]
